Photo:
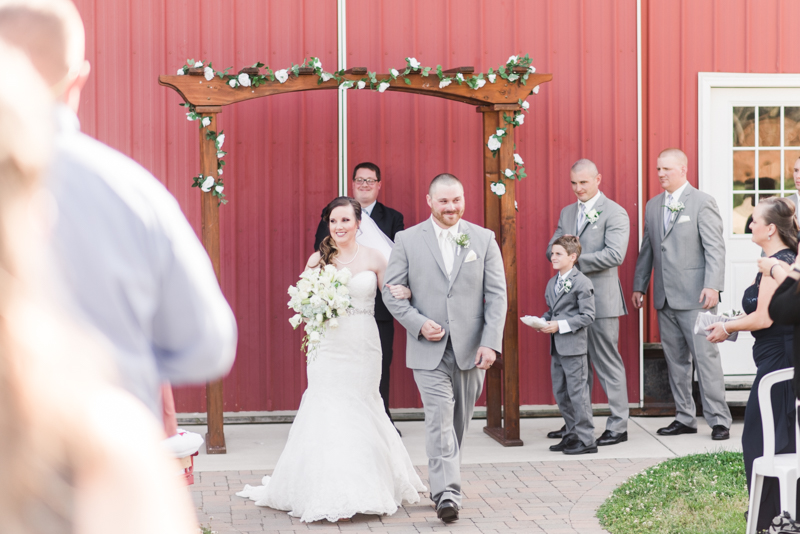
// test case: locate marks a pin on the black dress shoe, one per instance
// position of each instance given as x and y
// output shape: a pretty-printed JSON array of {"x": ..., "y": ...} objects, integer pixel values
[
  {"x": 610, "y": 437},
  {"x": 720, "y": 432},
  {"x": 563, "y": 444},
  {"x": 579, "y": 448},
  {"x": 676, "y": 428},
  {"x": 557, "y": 434},
  {"x": 447, "y": 511}
]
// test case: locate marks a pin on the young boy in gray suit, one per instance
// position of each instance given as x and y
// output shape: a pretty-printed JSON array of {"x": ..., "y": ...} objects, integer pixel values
[{"x": 570, "y": 298}]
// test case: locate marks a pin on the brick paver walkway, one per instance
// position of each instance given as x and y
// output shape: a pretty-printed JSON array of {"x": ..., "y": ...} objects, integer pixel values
[{"x": 547, "y": 497}]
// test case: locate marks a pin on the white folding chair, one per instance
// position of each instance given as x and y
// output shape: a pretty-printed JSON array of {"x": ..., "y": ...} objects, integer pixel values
[{"x": 784, "y": 467}]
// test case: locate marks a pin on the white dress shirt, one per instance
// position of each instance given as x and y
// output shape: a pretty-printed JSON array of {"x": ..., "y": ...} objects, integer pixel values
[
  {"x": 369, "y": 208},
  {"x": 447, "y": 244}
]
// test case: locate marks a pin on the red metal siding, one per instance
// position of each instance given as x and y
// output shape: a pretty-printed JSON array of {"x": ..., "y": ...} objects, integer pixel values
[
  {"x": 283, "y": 163},
  {"x": 684, "y": 37}
]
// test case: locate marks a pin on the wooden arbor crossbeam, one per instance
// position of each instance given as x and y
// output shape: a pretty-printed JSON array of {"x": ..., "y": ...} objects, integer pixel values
[{"x": 492, "y": 100}]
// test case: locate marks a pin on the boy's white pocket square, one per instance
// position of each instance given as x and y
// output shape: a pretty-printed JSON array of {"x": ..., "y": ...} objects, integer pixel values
[
  {"x": 471, "y": 257},
  {"x": 684, "y": 218}
]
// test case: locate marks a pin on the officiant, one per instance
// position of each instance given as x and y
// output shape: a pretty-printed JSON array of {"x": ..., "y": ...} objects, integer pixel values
[{"x": 366, "y": 186}]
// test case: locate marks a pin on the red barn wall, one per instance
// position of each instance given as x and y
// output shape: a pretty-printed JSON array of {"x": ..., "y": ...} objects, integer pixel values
[{"x": 282, "y": 167}]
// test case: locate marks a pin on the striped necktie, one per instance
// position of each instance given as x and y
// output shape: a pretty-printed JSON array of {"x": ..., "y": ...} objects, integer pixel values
[
  {"x": 581, "y": 217},
  {"x": 667, "y": 212}
]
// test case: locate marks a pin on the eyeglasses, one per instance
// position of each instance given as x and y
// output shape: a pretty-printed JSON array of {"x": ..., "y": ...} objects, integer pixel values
[{"x": 368, "y": 181}]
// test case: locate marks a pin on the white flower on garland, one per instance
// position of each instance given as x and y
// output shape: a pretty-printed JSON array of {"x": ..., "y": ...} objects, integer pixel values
[
  {"x": 220, "y": 141},
  {"x": 518, "y": 159},
  {"x": 500, "y": 133},
  {"x": 492, "y": 77},
  {"x": 198, "y": 64},
  {"x": 206, "y": 122},
  {"x": 513, "y": 77},
  {"x": 512, "y": 59},
  {"x": 233, "y": 82},
  {"x": 383, "y": 87},
  {"x": 220, "y": 154},
  {"x": 480, "y": 83},
  {"x": 244, "y": 79},
  {"x": 498, "y": 188},
  {"x": 519, "y": 119},
  {"x": 345, "y": 85},
  {"x": 219, "y": 172},
  {"x": 531, "y": 69},
  {"x": 219, "y": 188},
  {"x": 282, "y": 75},
  {"x": 209, "y": 73},
  {"x": 361, "y": 84},
  {"x": 526, "y": 104},
  {"x": 394, "y": 72},
  {"x": 208, "y": 183},
  {"x": 509, "y": 173},
  {"x": 180, "y": 71},
  {"x": 536, "y": 90},
  {"x": 494, "y": 143},
  {"x": 315, "y": 63},
  {"x": 444, "y": 83},
  {"x": 460, "y": 77},
  {"x": 326, "y": 76},
  {"x": 413, "y": 63}
]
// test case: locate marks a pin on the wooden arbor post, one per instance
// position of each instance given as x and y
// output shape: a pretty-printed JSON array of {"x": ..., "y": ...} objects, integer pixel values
[
  {"x": 209, "y": 222},
  {"x": 502, "y": 379},
  {"x": 493, "y": 100}
]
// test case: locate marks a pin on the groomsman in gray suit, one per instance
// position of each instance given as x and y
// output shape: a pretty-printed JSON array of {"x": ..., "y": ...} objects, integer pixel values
[
  {"x": 454, "y": 325},
  {"x": 603, "y": 228},
  {"x": 684, "y": 249}
]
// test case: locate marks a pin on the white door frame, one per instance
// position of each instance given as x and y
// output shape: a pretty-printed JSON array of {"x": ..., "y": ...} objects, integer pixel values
[{"x": 709, "y": 80}]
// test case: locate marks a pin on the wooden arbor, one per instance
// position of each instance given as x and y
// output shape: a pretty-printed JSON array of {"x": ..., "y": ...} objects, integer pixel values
[{"x": 492, "y": 100}]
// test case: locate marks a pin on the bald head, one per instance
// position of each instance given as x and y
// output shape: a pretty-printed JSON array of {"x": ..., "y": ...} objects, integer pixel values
[
  {"x": 677, "y": 154},
  {"x": 584, "y": 165},
  {"x": 51, "y": 34}
]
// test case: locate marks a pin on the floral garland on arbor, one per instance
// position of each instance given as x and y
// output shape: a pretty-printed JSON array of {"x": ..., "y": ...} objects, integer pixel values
[{"x": 507, "y": 72}]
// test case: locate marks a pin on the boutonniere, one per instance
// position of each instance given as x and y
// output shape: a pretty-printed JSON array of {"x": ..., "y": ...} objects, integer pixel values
[
  {"x": 567, "y": 286},
  {"x": 592, "y": 215},
  {"x": 461, "y": 240},
  {"x": 675, "y": 206}
]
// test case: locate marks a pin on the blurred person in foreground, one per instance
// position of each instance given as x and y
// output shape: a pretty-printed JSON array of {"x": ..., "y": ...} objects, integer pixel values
[
  {"x": 774, "y": 229},
  {"x": 125, "y": 253},
  {"x": 77, "y": 455}
]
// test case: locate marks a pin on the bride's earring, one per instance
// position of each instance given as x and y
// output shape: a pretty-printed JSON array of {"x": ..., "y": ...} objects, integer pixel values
[{"x": 769, "y": 237}]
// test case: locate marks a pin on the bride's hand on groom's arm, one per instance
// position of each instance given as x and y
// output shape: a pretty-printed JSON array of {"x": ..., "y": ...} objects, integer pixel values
[
  {"x": 432, "y": 331},
  {"x": 485, "y": 358},
  {"x": 399, "y": 292}
]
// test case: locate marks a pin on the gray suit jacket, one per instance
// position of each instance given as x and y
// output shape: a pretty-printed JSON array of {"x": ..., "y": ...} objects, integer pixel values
[
  {"x": 575, "y": 306},
  {"x": 471, "y": 306},
  {"x": 686, "y": 258},
  {"x": 603, "y": 247}
]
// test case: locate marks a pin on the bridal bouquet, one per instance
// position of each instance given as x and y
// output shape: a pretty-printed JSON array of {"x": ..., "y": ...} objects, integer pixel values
[{"x": 320, "y": 296}]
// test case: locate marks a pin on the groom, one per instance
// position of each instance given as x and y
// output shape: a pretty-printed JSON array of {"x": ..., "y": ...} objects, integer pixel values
[{"x": 454, "y": 323}]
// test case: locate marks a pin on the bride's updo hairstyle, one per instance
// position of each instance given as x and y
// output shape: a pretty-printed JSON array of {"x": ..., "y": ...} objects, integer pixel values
[
  {"x": 780, "y": 212},
  {"x": 327, "y": 249}
]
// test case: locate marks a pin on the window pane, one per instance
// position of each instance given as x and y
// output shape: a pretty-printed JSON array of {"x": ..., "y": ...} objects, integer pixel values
[
  {"x": 742, "y": 210},
  {"x": 769, "y": 126},
  {"x": 769, "y": 169},
  {"x": 744, "y": 167},
  {"x": 791, "y": 126},
  {"x": 789, "y": 160},
  {"x": 744, "y": 129}
]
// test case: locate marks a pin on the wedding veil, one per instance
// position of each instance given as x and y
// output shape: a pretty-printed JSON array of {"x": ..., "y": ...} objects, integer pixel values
[{"x": 372, "y": 236}]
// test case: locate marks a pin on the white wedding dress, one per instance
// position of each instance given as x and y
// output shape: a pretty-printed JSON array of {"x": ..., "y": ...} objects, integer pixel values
[{"x": 343, "y": 455}]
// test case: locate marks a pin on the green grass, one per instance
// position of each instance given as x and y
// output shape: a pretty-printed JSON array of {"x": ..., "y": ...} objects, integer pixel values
[{"x": 701, "y": 493}]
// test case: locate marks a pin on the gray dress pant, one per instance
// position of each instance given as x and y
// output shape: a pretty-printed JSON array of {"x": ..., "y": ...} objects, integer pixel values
[
  {"x": 604, "y": 355},
  {"x": 571, "y": 390},
  {"x": 682, "y": 348},
  {"x": 448, "y": 396}
]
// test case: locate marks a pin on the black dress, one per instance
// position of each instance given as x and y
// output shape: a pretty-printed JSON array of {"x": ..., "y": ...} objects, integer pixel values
[{"x": 772, "y": 351}]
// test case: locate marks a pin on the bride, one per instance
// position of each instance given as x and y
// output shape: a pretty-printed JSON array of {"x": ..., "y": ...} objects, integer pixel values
[{"x": 343, "y": 456}]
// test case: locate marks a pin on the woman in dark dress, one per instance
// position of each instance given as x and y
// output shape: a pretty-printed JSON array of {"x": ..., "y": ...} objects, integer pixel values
[{"x": 775, "y": 231}]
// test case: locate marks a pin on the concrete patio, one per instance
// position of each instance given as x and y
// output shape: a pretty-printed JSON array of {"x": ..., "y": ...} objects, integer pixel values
[{"x": 520, "y": 489}]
